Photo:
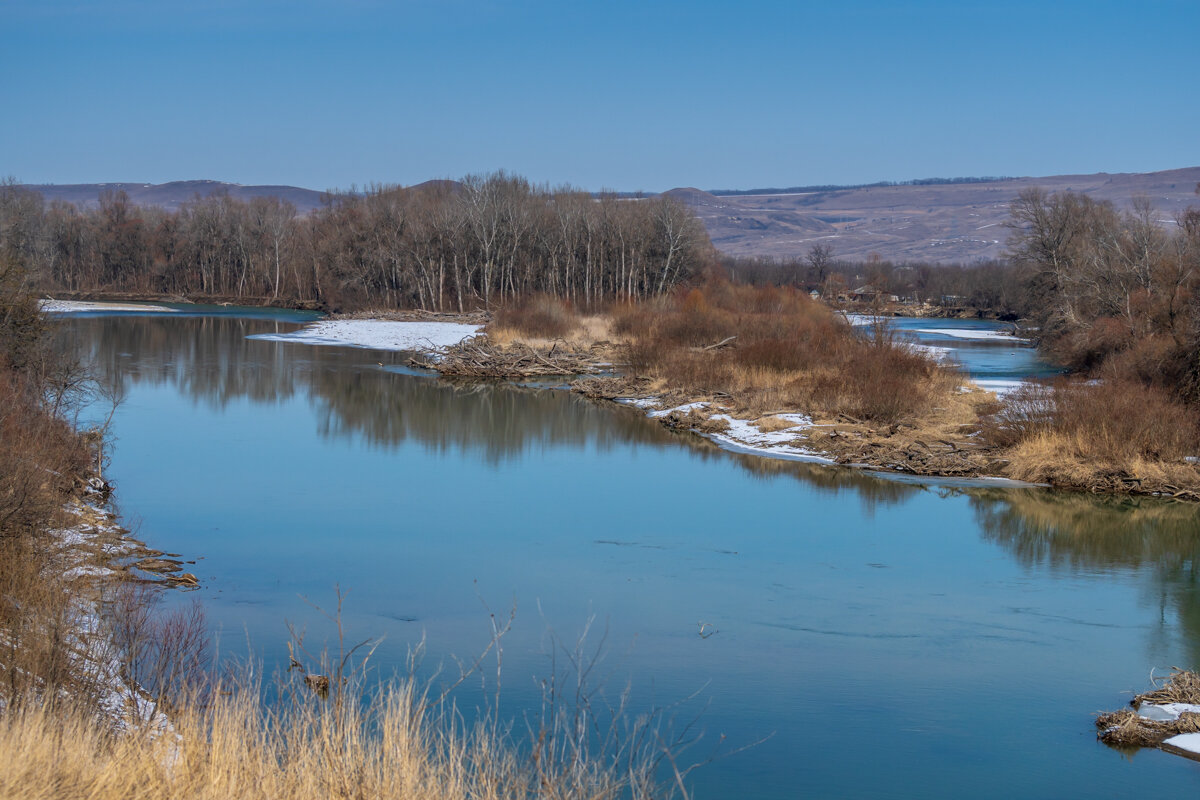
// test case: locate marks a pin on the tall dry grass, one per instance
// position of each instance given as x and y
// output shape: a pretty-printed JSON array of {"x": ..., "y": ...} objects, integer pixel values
[
  {"x": 537, "y": 316},
  {"x": 395, "y": 747},
  {"x": 397, "y": 744},
  {"x": 1111, "y": 434},
  {"x": 780, "y": 350}
]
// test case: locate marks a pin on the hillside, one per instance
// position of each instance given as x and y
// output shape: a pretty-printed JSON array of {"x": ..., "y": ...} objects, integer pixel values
[
  {"x": 174, "y": 194},
  {"x": 953, "y": 222}
]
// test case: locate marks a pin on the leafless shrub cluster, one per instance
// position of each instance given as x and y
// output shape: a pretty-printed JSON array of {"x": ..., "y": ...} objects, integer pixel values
[
  {"x": 1118, "y": 421},
  {"x": 772, "y": 347}
]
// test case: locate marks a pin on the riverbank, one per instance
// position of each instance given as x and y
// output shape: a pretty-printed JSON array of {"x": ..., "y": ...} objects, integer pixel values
[
  {"x": 107, "y": 695},
  {"x": 889, "y": 407},
  {"x": 579, "y": 507},
  {"x": 191, "y": 298},
  {"x": 948, "y": 428}
]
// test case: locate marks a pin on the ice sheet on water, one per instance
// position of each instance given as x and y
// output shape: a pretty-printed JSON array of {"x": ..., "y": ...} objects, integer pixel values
[
  {"x": 969, "y": 333},
  {"x": 1166, "y": 712},
  {"x": 375, "y": 334},
  {"x": 76, "y": 306}
]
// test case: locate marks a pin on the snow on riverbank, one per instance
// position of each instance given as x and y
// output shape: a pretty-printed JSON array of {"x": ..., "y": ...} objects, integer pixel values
[
  {"x": 84, "y": 552},
  {"x": 1166, "y": 712},
  {"x": 1185, "y": 744},
  {"x": 1000, "y": 386},
  {"x": 743, "y": 436},
  {"x": 375, "y": 334},
  {"x": 78, "y": 306}
]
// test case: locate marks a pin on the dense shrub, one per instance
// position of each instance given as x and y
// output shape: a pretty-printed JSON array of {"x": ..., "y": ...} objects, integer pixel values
[
  {"x": 788, "y": 349},
  {"x": 1115, "y": 420},
  {"x": 539, "y": 316}
]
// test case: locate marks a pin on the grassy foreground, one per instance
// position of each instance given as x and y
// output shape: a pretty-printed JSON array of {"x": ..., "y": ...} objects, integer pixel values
[{"x": 394, "y": 747}]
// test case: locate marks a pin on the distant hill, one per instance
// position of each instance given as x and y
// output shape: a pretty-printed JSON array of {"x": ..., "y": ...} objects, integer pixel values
[
  {"x": 174, "y": 194},
  {"x": 958, "y": 220}
]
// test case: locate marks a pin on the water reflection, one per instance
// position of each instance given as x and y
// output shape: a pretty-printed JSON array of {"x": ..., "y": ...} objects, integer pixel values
[
  {"x": 1157, "y": 539},
  {"x": 370, "y": 394},
  {"x": 844, "y": 602}
]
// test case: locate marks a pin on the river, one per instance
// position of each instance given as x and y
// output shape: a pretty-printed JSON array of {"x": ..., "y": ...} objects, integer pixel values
[{"x": 884, "y": 638}]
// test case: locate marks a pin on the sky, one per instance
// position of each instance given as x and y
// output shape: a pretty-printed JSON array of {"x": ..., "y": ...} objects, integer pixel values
[{"x": 599, "y": 95}]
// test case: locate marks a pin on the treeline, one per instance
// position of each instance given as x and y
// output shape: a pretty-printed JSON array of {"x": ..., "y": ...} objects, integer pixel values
[
  {"x": 1114, "y": 294},
  {"x": 438, "y": 246},
  {"x": 992, "y": 288}
]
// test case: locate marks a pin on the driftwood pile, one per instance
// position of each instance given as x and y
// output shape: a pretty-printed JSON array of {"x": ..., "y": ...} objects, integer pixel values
[{"x": 477, "y": 358}]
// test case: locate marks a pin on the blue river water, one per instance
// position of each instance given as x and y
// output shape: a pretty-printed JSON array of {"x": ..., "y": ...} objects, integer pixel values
[{"x": 870, "y": 638}]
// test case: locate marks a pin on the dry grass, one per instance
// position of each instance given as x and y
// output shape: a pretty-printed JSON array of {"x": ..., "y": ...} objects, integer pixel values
[
  {"x": 771, "y": 424},
  {"x": 546, "y": 327},
  {"x": 1125, "y": 728},
  {"x": 397, "y": 746},
  {"x": 40, "y": 457},
  {"x": 536, "y": 317},
  {"x": 1112, "y": 436}
]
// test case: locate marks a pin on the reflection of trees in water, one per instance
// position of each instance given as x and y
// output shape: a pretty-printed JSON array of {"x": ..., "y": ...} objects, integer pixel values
[
  {"x": 211, "y": 360},
  {"x": 871, "y": 491},
  {"x": 1159, "y": 539},
  {"x": 500, "y": 419}
]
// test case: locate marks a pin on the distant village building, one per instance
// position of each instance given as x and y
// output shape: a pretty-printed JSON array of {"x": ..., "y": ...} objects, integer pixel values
[{"x": 866, "y": 294}]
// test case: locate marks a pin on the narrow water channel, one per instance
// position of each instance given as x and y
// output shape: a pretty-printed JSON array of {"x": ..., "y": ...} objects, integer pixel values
[{"x": 886, "y": 639}]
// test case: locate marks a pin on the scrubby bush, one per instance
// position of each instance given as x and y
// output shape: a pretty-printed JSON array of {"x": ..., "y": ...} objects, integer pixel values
[
  {"x": 766, "y": 346},
  {"x": 540, "y": 316}
]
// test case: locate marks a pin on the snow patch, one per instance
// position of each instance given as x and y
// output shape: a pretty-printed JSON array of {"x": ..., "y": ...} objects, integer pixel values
[
  {"x": 375, "y": 334},
  {"x": 744, "y": 437},
  {"x": 683, "y": 409},
  {"x": 1189, "y": 742},
  {"x": 87, "y": 572},
  {"x": 638, "y": 402},
  {"x": 932, "y": 350},
  {"x": 862, "y": 320},
  {"x": 1000, "y": 386},
  {"x": 76, "y": 306}
]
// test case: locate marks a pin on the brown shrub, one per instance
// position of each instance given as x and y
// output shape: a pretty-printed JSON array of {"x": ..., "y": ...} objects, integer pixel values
[
  {"x": 884, "y": 383},
  {"x": 540, "y": 316},
  {"x": 40, "y": 456},
  {"x": 788, "y": 349},
  {"x": 1114, "y": 421},
  {"x": 1027, "y": 411}
]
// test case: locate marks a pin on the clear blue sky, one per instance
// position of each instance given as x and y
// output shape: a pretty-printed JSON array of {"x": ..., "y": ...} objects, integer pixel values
[{"x": 625, "y": 95}]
